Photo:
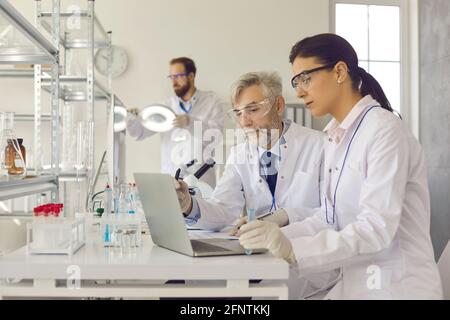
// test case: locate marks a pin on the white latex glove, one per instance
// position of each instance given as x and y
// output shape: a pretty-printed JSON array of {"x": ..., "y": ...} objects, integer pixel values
[
  {"x": 181, "y": 121},
  {"x": 266, "y": 235},
  {"x": 279, "y": 217},
  {"x": 184, "y": 198}
]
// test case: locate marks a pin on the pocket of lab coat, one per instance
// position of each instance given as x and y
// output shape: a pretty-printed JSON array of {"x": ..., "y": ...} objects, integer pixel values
[
  {"x": 302, "y": 177},
  {"x": 306, "y": 188},
  {"x": 357, "y": 167},
  {"x": 352, "y": 172},
  {"x": 349, "y": 189},
  {"x": 354, "y": 166}
]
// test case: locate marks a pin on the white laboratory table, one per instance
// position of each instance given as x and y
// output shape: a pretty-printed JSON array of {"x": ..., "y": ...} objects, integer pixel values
[{"x": 95, "y": 271}]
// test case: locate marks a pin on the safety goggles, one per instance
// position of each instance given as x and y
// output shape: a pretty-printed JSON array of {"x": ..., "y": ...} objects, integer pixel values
[
  {"x": 177, "y": 76},
  {"x": 303, "y": 79},
  {"x": 252, "y": 110}
]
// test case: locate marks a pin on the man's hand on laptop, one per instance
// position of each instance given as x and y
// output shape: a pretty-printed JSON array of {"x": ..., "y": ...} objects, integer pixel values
[{"x": 184, "y": 198}]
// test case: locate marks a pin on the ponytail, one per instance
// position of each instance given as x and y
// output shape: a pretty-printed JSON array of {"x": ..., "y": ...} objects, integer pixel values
[{"x": 369, "y": 85}]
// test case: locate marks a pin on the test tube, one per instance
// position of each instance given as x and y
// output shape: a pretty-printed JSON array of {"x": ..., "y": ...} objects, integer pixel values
[
  {"x": 250, "y": 218},
  {"x": 106, "y": 239}
]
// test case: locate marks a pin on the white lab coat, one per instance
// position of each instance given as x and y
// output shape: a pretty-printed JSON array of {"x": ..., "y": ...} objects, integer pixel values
[
  {"x": 381, "y": 236},
  {"x": 207, "y": 113},
  {"x": 298, "y": 183}
]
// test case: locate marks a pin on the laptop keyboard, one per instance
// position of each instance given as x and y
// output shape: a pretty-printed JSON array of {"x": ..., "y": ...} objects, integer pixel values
[{"x": 200, "y": 246}]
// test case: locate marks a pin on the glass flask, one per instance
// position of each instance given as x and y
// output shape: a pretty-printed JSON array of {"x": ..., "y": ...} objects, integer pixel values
[{"x": 12, "y": 156}]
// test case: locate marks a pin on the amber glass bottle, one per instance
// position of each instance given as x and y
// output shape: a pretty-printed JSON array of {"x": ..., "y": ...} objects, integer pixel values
[{"x": 14, "y": 162}]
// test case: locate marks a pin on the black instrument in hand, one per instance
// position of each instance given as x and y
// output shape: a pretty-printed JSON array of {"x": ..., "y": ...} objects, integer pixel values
[{"x": 210, "y": 163}]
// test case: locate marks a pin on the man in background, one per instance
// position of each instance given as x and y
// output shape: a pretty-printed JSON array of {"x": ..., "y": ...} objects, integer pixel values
[{"x": 194, "y": 109}]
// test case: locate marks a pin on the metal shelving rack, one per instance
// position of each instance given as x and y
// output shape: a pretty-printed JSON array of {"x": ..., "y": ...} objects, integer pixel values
[
  {"x": 89, "y": 35},
  {"x": 27, "y": 186},
  {"x": 79, "y": 30},
  {"x": 37, "y": 50}
]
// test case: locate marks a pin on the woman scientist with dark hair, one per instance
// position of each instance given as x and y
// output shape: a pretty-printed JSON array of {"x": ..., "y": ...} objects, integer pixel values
[{"x": 374, "y": 222}]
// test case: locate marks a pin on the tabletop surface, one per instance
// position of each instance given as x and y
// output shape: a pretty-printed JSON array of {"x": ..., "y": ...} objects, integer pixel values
[{"x": 148, "y": 262}]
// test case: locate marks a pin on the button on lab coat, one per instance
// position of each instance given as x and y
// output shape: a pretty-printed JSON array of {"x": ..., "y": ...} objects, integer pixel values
[
  {"x": 241, "y": 185},
  {"x": 207, "y": 109},
  {"x": 381, "y": 235}
]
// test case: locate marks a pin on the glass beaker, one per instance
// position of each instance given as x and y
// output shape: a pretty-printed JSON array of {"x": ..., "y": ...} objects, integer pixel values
[{"x": 11, "y": 153}]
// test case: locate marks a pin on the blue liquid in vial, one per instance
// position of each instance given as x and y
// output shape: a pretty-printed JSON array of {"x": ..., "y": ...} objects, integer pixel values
[{"x": 250, "y": 217}]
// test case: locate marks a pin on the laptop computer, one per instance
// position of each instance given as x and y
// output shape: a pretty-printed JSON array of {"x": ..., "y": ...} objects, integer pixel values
[{"x": 167, "y": 225}]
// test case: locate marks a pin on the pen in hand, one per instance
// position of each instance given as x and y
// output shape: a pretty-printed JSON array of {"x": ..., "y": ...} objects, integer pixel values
[{"x": 242, "y": 221}]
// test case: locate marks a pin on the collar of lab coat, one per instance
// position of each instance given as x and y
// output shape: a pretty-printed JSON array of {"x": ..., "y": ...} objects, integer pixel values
[
  {"x": 276, "y": 149},
  {"x": 193, "y": 99},
  {"x": 336, "y": 130},
  {"x": 254, "y": 154}
]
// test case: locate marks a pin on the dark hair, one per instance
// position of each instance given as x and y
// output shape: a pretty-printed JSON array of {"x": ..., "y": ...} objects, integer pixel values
[
  {"x": 189, "y": 64},
  {"x": 329, "y": 48}
]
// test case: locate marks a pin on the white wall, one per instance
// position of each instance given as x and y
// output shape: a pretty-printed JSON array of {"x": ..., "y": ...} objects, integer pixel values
[{"x": 225, "y": 38}]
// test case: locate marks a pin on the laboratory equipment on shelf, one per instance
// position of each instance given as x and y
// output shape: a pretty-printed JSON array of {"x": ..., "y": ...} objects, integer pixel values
[
  {"x": 12, "y": 156},
  {"x": 14, "y": 162}
]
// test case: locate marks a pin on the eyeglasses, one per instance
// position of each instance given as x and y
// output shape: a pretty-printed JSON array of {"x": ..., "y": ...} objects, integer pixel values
[
  {"x": 177, "y": 76},
  {"x": 253, "y": 110},
  {"x": 303, "y": 79}
]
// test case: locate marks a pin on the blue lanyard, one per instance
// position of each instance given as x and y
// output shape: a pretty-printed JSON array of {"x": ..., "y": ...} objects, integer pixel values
[
  {"x": 274, "y": 203},
  {"x": 342, "y": 169},
  {"x": 184, "y": 109}
]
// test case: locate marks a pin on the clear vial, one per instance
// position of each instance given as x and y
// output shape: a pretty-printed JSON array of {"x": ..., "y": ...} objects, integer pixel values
[
  {"x": 250, "y": 217},
  {"x": 123, "y": 199}
]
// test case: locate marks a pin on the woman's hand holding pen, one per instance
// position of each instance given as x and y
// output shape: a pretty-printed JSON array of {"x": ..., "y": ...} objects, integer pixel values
[{"x": 278, "y": 217}]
